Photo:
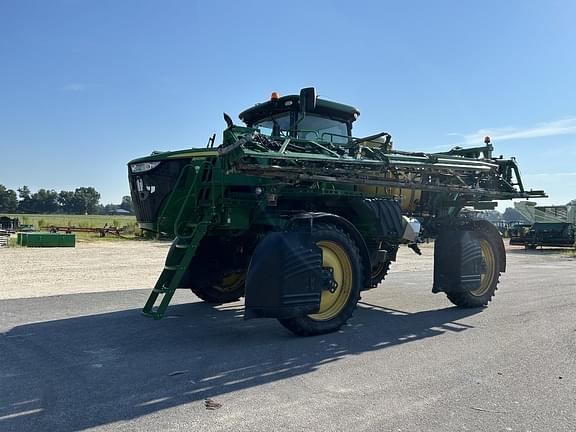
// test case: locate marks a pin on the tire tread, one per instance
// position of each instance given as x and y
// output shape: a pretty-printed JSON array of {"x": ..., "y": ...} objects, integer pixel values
[{"x": 304, "y": 326}]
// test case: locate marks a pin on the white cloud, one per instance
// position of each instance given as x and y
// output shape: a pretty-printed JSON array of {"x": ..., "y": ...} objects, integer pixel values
[
  {"x": 565, "y": 126},
  {"x": 75, "y": 87},
  {"x": 555, "y": 174}
]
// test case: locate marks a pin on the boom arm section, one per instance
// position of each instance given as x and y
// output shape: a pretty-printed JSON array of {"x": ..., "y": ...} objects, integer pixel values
[{"x": 366, "y": 162}]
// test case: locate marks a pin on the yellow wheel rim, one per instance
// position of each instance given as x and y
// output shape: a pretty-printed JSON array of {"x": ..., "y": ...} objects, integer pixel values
[
  {"x": 335, "y": 257},
  {"x": 487, "y": 278},
  {"x": 230, "y": 282}
]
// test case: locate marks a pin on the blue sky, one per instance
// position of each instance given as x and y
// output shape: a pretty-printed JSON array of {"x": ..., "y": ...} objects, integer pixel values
[{"x": 86, "y": 86}]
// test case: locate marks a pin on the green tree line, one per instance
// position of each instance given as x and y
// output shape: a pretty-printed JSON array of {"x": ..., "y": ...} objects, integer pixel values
[{"x": 82, "y": 200}]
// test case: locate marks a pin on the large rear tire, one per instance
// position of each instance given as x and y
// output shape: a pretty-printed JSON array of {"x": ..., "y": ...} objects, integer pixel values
[
  {"x": 340, "y": 253},
  {"x": 492, "y": 249}
]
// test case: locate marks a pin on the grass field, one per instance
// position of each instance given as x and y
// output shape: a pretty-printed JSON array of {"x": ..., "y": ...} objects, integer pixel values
[
  {"x": 131, "y": 230},
  {"x": 80, "y": 221}
]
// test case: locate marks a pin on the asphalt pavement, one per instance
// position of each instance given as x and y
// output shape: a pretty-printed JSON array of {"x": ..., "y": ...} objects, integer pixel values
[{"x": 408, "y": 361}]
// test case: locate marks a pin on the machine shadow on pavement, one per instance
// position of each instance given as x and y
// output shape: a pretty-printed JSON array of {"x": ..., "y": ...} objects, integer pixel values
[{"x": 93, "y": 370}]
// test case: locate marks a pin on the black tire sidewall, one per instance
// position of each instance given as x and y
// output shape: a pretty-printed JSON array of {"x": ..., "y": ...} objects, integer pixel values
[
  {"x": 466, "y": 299},
  {"x": 203, "y": 286},
  {"x": 306, "y": 326},
  {"x": 210, "y": 294}
]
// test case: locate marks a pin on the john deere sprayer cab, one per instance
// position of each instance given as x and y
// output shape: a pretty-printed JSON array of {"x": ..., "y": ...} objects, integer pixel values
[{"x": 297, "y": 215}]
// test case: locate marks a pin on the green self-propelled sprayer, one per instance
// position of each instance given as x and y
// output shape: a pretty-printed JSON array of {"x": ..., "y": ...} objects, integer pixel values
[{"x": 297, "y": 215}]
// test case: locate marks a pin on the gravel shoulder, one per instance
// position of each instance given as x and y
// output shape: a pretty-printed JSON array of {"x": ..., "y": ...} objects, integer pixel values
[
  {"x": 103, "y": 266},
  {"x": 89, "y": 267},
  {"x": 110, "y": 266}
]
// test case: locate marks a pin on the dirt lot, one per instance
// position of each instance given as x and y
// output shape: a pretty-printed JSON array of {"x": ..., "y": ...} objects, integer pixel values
[
  {"x": 108, "y": 266},
  {"x": 89, "y": 267}
]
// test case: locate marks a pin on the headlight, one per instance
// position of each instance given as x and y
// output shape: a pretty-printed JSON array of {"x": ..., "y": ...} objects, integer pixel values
[{"x": 143, "y": 166}]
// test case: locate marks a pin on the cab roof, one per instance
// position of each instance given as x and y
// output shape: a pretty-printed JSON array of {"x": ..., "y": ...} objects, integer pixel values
[{"x": 324, "y": 108}]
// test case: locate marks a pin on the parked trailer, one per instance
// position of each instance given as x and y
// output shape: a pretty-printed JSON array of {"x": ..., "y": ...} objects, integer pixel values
[{"x": 551, "y": 226}]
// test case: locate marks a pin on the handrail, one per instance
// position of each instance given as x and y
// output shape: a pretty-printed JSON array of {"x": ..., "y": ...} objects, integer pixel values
[
  {"x": 191, "y": 191},
  {"x": 172, "y": 193}
]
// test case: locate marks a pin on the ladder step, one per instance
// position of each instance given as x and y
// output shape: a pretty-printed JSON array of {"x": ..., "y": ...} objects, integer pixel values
[
  {"x": 172, "y": 274},
  {"x": 152, "y": 314},
  {"x": 161, "y": 290}
]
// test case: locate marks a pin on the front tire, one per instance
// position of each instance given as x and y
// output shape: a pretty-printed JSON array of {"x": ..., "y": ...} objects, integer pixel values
[
  {"x": 216, "y": 274},
  {"x": 340, "y": 253},
  {"x": 379, "y": 273},
  {"x": 229, "y": 288}
]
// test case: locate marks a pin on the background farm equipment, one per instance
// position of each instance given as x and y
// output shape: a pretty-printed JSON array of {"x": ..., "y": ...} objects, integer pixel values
[
  {"x": 4, "y": 237},
  {"x": 45, "y": 239},
  {"x": 102, "y": 232},
  {"x": 552, "y": 226},
  {"x": 9, "y": 224}
]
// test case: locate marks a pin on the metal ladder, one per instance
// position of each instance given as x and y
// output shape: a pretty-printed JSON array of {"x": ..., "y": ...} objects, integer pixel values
[
  {"x": 179, "y": 258},
  {"x": 189, "y": 234}
]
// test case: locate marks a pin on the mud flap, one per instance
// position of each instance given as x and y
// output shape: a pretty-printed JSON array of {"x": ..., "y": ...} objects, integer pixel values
[
  {"x": 458, "y": 262},
  {"x": 285, "y": 277}
]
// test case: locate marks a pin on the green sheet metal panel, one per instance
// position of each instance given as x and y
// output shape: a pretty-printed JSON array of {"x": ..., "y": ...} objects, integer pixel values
[
  {"x": 45, "y": 239},
  {"x": 68, "y": 240}
]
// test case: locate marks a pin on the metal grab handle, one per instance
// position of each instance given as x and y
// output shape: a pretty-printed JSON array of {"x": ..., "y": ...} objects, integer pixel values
[
  {"x": 191, "y": 191},
  {"x": 169, "y": 199}
]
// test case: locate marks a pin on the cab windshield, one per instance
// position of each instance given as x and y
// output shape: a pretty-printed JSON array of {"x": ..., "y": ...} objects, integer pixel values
[{"x": 312, "y": 127}]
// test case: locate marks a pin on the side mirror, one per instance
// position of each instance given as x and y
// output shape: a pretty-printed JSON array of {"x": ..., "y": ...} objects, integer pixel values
[
  {"x": 228, "y": 120},
  {"x": 308, "y": 99}
]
